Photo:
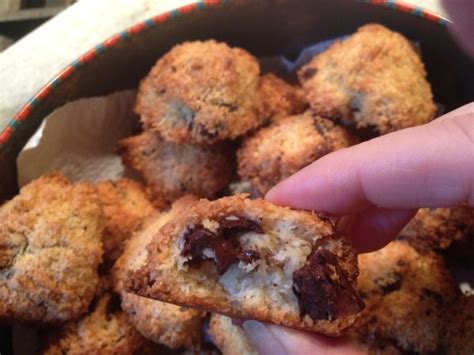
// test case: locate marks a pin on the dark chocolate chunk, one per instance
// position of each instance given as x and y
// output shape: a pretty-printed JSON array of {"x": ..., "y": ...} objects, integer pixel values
[
  {"x": 323, "y": 289},
  {"x": 393, "y": 286},
  {"x": 309, "y": 73},
  {"x": 222, "y": 242},
  {"x": 322, "y": 125}
]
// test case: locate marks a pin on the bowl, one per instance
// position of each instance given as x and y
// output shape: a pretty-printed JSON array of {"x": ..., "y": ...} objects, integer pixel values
[{"x": 264, "y": 27}]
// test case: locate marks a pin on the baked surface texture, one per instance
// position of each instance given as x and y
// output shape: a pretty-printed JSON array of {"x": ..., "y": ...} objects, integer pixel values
[
  {"x": 50, "y": 249},
  {"x": 229, "y": 338},
  {"x": 281, "y": 99},
  {"x": 201, "y": 92},
  {"x": 278, "y": 151},
  {"x": 437, "y": 228},
  {"x": 459, "y": 334},
  {"x": 374, "y": 78},
  {"x": 164, "y": 323},
  {"x": 125, "y": 207},
  {"x": 406, "y": 294},
  {"x": 106, "y": 330},
  {"x": 173, "y": 170},
  {"x": 254, "y": 260}
]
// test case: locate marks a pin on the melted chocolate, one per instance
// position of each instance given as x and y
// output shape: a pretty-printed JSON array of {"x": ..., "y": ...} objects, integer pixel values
[
  {"x": 323, "y": 289},
  {"x": 223, "y": 243}
]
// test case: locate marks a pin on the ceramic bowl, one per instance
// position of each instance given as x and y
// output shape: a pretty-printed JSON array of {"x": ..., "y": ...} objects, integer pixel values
[{"x": 264, "y": 27}]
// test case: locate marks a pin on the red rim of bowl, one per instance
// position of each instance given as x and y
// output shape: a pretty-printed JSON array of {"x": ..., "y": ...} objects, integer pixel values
[{"x": 53, "y": 84}]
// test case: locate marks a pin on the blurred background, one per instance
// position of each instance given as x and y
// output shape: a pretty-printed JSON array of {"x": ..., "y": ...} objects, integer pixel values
[{"x": 18, "y": 17}]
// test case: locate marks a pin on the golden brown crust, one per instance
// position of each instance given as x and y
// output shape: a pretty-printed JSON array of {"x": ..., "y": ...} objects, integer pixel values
[
  {"x": 229, "y": 338},
  {"x": 405, "y": 294},
  {"x": 201, "y": 92},
  {"x": 164, "y": 323},
  {"x": 106, "y": 330},
  {"x": 281, "y": 99},
  {"x": 166, "y": 276},
  {"x": 458, "y": 338},
  {"x": 125, "y": 207},
  {"x": 286, "y": 146},
  {"x": 173, "y": 170},
  {"x": 374, "y": 78},
  {"x": 160, "y": 322},
  {"x": 437, "y": 228},
  {"x": 50, "y": 248}
]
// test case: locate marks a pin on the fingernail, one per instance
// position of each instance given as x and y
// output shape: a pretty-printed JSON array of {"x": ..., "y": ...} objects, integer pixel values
[{"x": 262, "y": 338}]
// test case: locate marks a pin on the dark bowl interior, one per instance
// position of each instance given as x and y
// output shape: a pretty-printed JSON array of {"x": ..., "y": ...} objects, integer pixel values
[{"x": 265, "y": 28}]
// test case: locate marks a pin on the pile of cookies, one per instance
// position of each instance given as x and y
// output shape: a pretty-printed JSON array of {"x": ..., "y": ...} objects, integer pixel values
[{"x": 158, "y": 265}]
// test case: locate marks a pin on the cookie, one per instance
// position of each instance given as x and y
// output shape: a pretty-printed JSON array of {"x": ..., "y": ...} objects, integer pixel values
[
  {"x": 173, "y": 170},
  {"x": 286, "y": 146},
  {"x": 405, "y": 293},
  {"x": 437, "y": 228},
  {"x": 163, "y": 323},
  {"x": 230, "y": 339},
  {"x": 375, "y": 78},
  {"x": 251, "y": 259},
  {"x": 125, "y": 207},
  {"x": 50, "y": 250},
  {"x": 458, "y": 337},
  {"x": 281, "y": 99},
  {"x": 106, "y": 330},
  {"x": 201, "y": 92}
]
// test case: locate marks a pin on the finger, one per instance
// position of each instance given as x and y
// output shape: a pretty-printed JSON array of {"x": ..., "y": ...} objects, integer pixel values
[
  {"x": 425, "y": 166},
  {"x": 460, "y": 12},
  {"x": 375, "y": 227},
  {"x": 272, "y": 339}
]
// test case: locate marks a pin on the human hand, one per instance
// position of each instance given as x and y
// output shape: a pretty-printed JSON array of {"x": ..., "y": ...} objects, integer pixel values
[{"x": 379, "y": 185}]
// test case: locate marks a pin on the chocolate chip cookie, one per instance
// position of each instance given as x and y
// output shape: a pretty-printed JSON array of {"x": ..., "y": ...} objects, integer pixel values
[
  {"x": 254, "y": 260},
  {"x": 375, "y": 78}
]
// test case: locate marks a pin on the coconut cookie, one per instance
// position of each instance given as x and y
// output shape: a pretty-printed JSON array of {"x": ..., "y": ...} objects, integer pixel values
[
  {"x": 405, "y": 293},
  {"x": 229, "y": 338},
  {"x": 201, "y": 92},
  {"x": 286, "y": 146},
  {"x": 459, "y": 334},
  {"x": 125, "y": 207},
  {"x": 437, "y": 228},
  {"x": 375, "y": 78},
  {"x": 251, "y": 259},
  {"x": 163, "y": 323},
  {"x": 50, "y": 249},
  {"x": 106, "y": 330},
  {"x": 173, "y": 170},
  {"x": 281, "y": 99}
]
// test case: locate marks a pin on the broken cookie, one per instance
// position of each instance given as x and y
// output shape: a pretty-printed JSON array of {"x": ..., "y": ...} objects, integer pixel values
[{"x": 251, "y": 259}]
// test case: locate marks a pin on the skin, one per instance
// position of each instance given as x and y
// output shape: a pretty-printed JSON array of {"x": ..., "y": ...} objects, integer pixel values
[{"x": 377, "y": 187}]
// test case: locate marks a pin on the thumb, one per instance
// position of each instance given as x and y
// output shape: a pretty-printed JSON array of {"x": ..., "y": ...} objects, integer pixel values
[{"x": 275, "y": 340}]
